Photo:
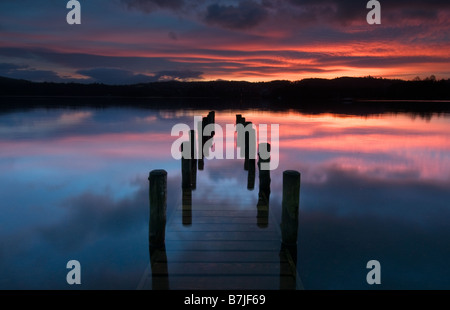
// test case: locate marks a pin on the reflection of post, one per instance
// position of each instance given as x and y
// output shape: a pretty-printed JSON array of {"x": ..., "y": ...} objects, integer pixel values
[
  {"x": 264, "y": 187},
  {"x": 251, "y": 174},
  {"x": 187, "y": 207},
  {"x": 290, "y": 206},
  {"x": 160, "y": 273},
  {"x": 193, "y": 142},
  {"x": 288, "y": 267},
  {"x": 158, "y": 204},
  {"x": 186, "y": 168},
  {"x": 249, "y": 144}
]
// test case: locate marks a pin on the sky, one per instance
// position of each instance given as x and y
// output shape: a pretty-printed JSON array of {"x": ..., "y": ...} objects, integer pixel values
[{"x": 138, "y": 41}]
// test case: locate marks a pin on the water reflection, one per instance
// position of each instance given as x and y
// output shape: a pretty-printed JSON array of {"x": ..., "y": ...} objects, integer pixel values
[
  {"x": 373, "y": 187},
  {"x": 158, "y": 263}
]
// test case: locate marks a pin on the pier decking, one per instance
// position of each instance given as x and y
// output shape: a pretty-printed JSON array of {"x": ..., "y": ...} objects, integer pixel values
[{"x": 221, "y": 246}]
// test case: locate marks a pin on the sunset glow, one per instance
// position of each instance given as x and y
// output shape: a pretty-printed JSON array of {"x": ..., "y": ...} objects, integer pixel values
[{"x": 130, "y": 41}]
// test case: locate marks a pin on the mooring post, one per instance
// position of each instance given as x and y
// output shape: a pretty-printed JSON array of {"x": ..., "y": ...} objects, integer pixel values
[
  {"x": 193, "y": 142},
  {"x": 264, "y": 186},
  {"x": 240, "y": 137},
  {"x": 212, "y": 120},
  {"x": 158, "y": 205},
  {"x": 290, "y": 207},
  {"x": 249, "y": 145},
  {"x": 238, "y": 118}
]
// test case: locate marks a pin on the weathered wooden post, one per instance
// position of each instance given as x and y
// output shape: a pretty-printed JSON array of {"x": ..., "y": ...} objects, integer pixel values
[
  {"x": 290, "y": 207},
  {"x": 193, "y": 141},
  {"x": 212, "y": 116},
  {"x": 212, "y": 120},
  {"x": 238, "y": 118},
  {"x": 158, "y": 205},
  {"x": 250, "y": 145},
  {"x": 240, "y": 137},
  {"x": 264, "y": 186}
]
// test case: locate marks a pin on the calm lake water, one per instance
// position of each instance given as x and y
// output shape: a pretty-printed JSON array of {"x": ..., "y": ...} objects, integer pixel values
[{"x": 74, "y": 186}]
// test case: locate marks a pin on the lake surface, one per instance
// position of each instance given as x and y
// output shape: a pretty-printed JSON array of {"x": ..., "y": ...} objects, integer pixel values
[{"x": 74, "y": 186}]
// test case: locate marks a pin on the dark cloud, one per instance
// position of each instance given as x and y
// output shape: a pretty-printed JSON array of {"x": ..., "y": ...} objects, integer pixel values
[
  {"x": 27, "y": 73},
  {"x": 246, "y": 14},
  {"x": 347, "y": 11},
  {"x": 121, "y": 77},
  {"x": 87, "y": 61},
  {"x": 182, "y": 75},
  {"x": 148, "y": 6},
  {"x": 115, "y": 76}
]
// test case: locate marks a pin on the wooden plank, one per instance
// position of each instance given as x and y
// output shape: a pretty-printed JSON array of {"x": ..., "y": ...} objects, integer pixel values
[
  {"x": 214, "y": 206},
  {"x": 223, "y": 245},
  {"x": 225, "y": 256},
  {"x": 220, "y": 236},
  {"x": 238, "y": 227},
  {"x": 219, "y": 220},
  {"x": 221, "y": 213},
  {"x": 217, "y": 269}
]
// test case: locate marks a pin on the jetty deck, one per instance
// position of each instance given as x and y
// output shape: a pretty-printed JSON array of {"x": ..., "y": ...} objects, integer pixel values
[{"x": 221, "y": 246}]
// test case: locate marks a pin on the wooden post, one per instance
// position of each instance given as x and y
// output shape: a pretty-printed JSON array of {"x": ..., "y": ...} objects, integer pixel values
[
  {"x": 212, "y": 120},
  {"x": 264, "y": 189},
  {"x": 158, "y": 205},
  {"x": 290, "y": 207},
  {"x": 249, "y": 144},
  {"x": 192, "y": 140},
  {"x": 238, "y": 118},
  {"x": 240, "y": 138}
]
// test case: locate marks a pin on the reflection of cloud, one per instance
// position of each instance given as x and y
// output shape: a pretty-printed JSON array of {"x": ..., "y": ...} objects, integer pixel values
[
  {"x": 38, "y": 127},
  {"x": 93, "y": 216},
  {"x": 74, "y": 118}
]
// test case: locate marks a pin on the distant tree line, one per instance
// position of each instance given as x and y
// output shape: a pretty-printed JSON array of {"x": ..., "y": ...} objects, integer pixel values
[{"x": 344, "y": 89}]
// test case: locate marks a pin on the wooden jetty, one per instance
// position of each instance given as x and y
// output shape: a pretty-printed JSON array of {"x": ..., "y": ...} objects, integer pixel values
[{"x": 222, "y": 246}]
